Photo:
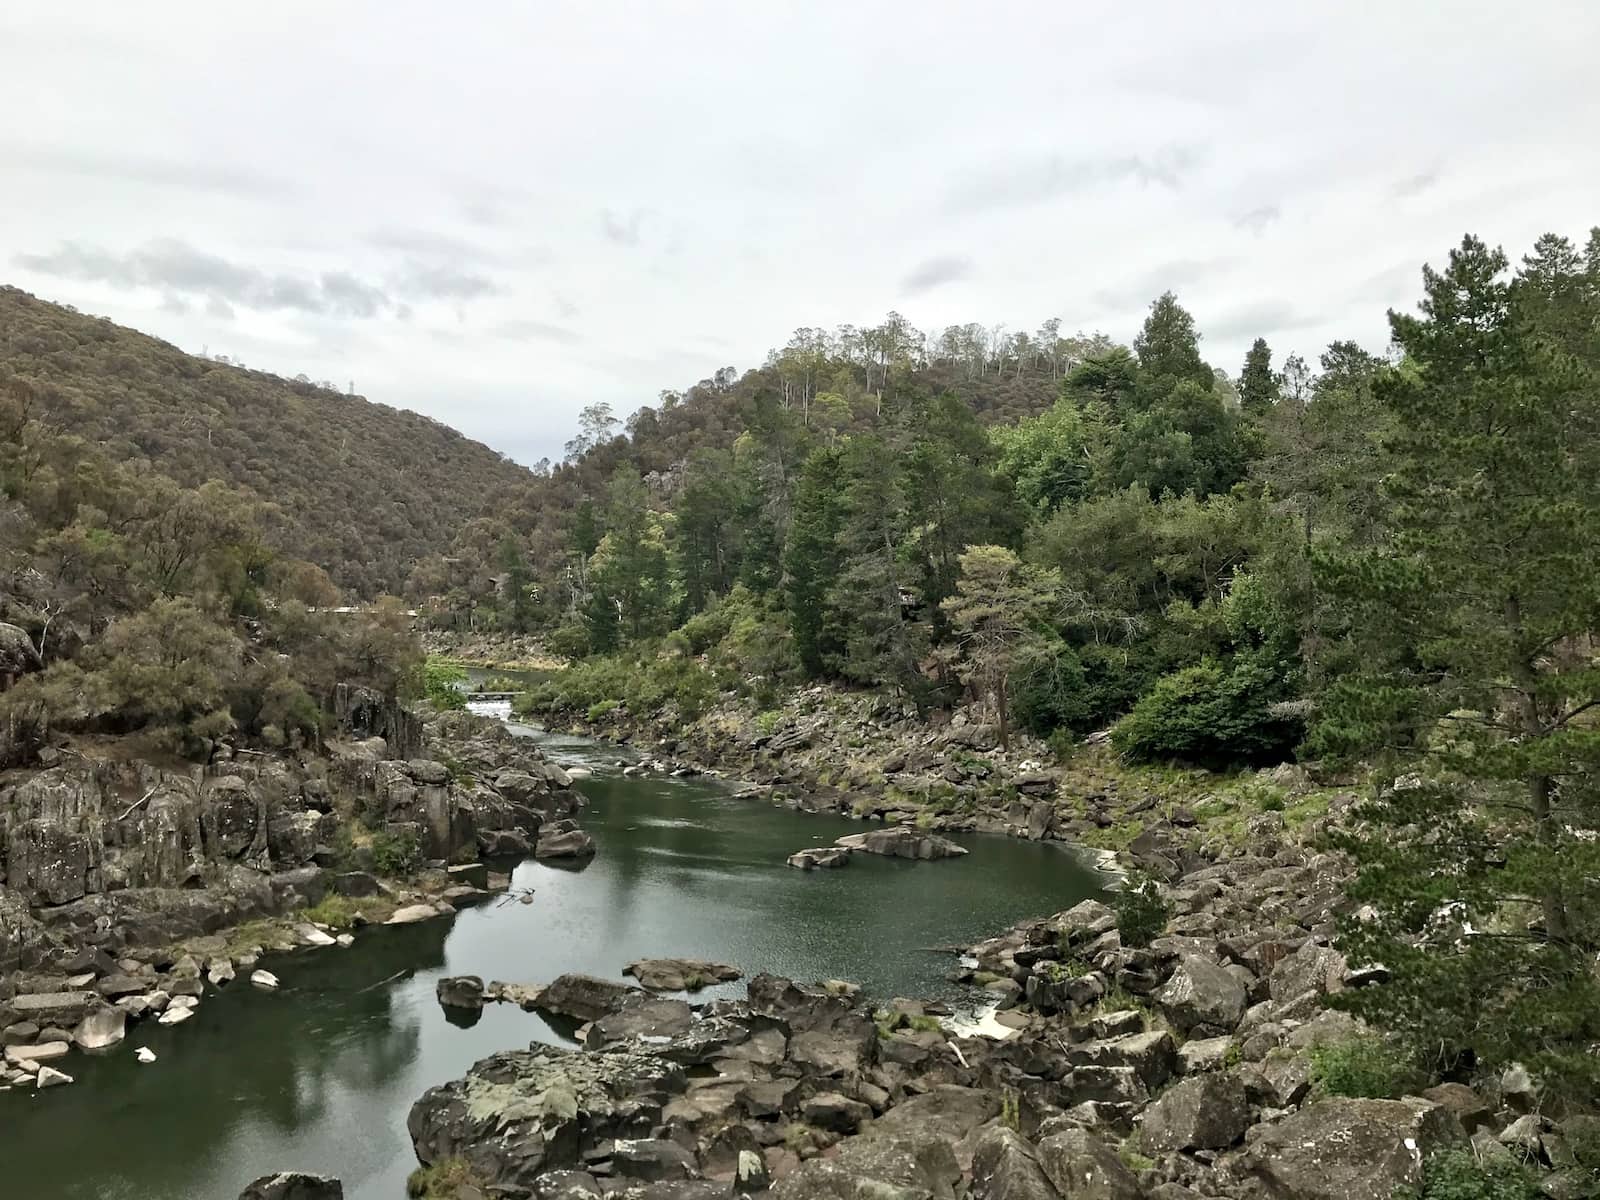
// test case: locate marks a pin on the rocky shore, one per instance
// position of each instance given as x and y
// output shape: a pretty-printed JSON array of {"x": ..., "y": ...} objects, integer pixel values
[{"x": 133, "y": 890}]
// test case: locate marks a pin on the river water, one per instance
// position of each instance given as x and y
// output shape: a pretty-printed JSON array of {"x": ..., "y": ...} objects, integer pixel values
[{"x": 319, "y": 1076}]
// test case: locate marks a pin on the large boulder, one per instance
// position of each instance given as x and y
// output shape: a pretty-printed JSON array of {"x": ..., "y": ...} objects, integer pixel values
[
  {"x": 1005, "y": 1167},
  {"x": 582, "y": 997},
  {"x": 1085, "y": 1168},
  {"x": 563, "y": 843},
  {"x": 873, "y": 1166},
  {"x": 1312, "y": 968},
  {"x": 901, "y": 841},
  {"x": 1203, "y": 1112},
  {"x": 1202, "y": 995},
  {"x": 17, "y": 655},
  {"x": 1341, "y": 1149},
  {"x": 680, "y": 974},
  {"x": 1151, "y": 1054},
  {"x": 460, "y": 991},
  {"x": 294, "y": 1185},
  {"x": 640, "y": 1015}
]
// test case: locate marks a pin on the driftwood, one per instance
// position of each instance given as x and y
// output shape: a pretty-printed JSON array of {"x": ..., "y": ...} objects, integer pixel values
[{"x": 128, "y": 812}]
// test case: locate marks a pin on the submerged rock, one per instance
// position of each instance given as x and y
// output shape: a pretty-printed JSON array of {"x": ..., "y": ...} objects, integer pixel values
[
  {"x": 461, "y": 991},
  {"x": 680, "y": 974},
  {"x": 564, "y": 843}
]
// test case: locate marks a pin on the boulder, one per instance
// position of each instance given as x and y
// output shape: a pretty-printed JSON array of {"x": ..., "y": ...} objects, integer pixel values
[
  {"x": 100, "y": 1029},
  {"x": 819, "y": 857},
  {"x": 1152, "y": 1055},
  {"x": 264, "y": 979},
  {"x": 51, "y": 1008},
  {"x": 870, "y": 1166},
  {"x": 640, "y": 1015},
  {"x": 294, "y": 1185},
  {"x": 1201, "y": 995},
  {"x": 947, "y": 1112},
  {"x": 1005, "y": 1167},
  {"x": 831, "y": 1111},
  {"x": 680, "y": 974},
  {"x": 901, "y": 841},
  {"x": 652, "y": 1160},
  {"x": 1204, "y": 1112},
  {"x": 37, "y": 1053},
  {"x": 1084, "y": 1168},
  {"x": 50, "y": 1077},
  {"x": 1343, "y": 1149},
  {"x": 411, "y": 914},
  {"x": 582, "y": 997},
  {"x": 460, "y": 991},
  {"x": 1312, "y": 968},
  {"x": 1204, "y": 1054},
  {"x": 570, "y": 843}
]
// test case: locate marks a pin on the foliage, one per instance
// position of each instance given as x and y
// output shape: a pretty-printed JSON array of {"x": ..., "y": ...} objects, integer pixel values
[
  {"x": 441, "y": 683},
  {"x": 446, "y": 1179},
  {"x": 1365, "y": 1066},
  {"x": 396, "y": 853},
  {"x": 1460, "y": 1174},
  {"x": 645, "y": 687},
  {"x": 1210, "y": 716},
  {"x": 1467, "y": 654},
  {"x": 1142, "y": 912}
]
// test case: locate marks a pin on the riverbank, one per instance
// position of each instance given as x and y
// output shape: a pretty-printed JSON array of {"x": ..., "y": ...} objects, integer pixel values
[{"x": 138, "y": 887}]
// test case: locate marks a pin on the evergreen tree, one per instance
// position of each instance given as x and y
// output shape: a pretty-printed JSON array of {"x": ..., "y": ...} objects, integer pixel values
[
  {"x": 1258, "y": 386},
  {"x": 1168, "y": 347},
  {"x": 811, "y": 563},
  {"x": 1473, "y": 623}
]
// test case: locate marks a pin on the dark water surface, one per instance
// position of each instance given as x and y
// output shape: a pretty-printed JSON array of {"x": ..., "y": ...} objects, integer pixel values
[{"x": 320, "y": 1075}]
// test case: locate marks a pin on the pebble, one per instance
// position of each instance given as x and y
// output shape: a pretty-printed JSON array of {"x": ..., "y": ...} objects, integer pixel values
[
  {"x": 264, "y": 979},
  {"x": 175, "y": 1016}
]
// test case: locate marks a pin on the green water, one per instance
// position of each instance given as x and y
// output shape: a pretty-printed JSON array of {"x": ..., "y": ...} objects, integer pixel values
[{"x": 319, "y": 1076}]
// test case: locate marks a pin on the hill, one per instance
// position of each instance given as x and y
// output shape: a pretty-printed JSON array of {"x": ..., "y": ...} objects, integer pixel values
[{"x": 361, "y": 489}]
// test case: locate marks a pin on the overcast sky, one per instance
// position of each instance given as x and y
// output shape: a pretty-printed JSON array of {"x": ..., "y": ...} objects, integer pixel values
[{"x": 496, "y": 213}]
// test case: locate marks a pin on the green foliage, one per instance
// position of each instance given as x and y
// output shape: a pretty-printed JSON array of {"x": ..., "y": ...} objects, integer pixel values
[
  {"x": 1366, "y": 1066},
  {"x": 396, "y": 853},
  {"x": 1142, "y": 912},
  {"x": 597, "y": 686},
  {"x": 1462, "y": 1175},
  {"x": 441, "y": 683},
  {"x": 341, "y": 912},
  {"x": 1209, "y": 716},
  {"x": 446, "y": 1179}
]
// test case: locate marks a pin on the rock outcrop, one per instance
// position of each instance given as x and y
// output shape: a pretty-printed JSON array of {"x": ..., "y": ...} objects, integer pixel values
[{"x": 680, "y": 974}]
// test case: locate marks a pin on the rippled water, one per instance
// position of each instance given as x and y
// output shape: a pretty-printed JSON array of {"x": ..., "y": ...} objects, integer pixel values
[{"x": 320, "y": 1075}]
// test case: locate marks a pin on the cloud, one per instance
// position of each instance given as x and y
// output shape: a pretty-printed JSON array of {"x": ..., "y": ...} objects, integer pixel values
[
  {"x": 1258, "y": 319},
  {"x": 1257, "y": 219},
  {"x": 1171, "y": 276},
  {"x": 622, "y": 228},
  {"x": 425, "y": 243},
  {"x": 1415, "y": 185},
  {"x": 932, "y": 272},
  {"x": 522, "y": 330},
  {"x": 1033, "y": 180},
  {"x": 113, "y": 167},
  {"x": 179, "y": 269}
]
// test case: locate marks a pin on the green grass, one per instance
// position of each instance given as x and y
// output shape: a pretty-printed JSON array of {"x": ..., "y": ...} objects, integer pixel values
[
  {"x": 441, "y": 1181},
  {"x": 341, "y": 912}
]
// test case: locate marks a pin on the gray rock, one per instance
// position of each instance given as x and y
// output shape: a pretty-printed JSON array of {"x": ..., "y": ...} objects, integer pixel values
[
  {"x": 831, "y": 1111},
  {"x": 1341, "y": 1149},
  {"x": 1005, "y": 1167},
  {"x": 37, "y": 1053},
  {"x": 100, "y": 1029},
  {"x": 947, "y": 1111},
  {"x": 582, "y": 997},
  {"x": 830, "y": 1052},
  {"x": 1082, "y": 1167},
  {"x": 50, "y": 1077},
  {"x": 640, "y": 1015},
  {"x": 901, "y": 841},
  {"x": 1152, "y": 1055},
  {"x": 1312, "y": 968},
  {"x": 680, "y": 974},
  {"x": 652, "y": 1160},
  {"x": 571, "y": 843},
  {"x": 1204, "y": 1054},
  {"x": 51, "y": 1008},
  {"x": 460, "y": 991},
  {"x": 819, "y": 857},
  {"x": 1201, "y": 995},
  {"x": 873, "y": 1166},
  {"x": 23, "y": 1033},
  {"x": 750, "y": 1174},
  {"x": 1205, "y": 1112},
  {"x": 294, "y": 1185}
]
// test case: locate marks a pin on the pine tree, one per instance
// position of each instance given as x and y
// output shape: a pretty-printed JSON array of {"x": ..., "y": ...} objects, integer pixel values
[
  {"x": 1474, "y": 623},
  {"x": 811, "y": 563},
  {"x": 1258, "y": 386}
]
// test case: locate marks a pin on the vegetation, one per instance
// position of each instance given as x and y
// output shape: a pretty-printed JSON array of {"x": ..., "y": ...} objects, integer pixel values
[
  {"x": 1142, "y": 912},
  {"x": 1366, "y": 1066},
  {"x": 444, "y": 1180},
  {"x": 1462, "y": 1175}
]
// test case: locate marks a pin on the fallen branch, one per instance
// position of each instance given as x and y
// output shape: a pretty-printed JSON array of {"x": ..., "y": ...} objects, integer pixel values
[{"x": 129, "y": 812}]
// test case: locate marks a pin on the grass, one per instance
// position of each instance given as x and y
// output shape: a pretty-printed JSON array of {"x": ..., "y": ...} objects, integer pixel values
[
  {"x": 341, "y": 912},
  {"x": 1365, "y": 1067},
  {"x": 1131, "y": 1157},
  {"x": 441, "y": 1181}
]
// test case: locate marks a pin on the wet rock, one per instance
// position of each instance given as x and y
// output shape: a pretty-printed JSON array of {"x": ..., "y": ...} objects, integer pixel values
[
  {"x": 1085, "y": 1168},
  {"x": 39, "y": 1052},
  {"x": 145, "y": 1055},
  {"x": 175, "y": 1016},
  {"x": 100, "y": 1029},
  {"x": 820, "y": 857},
  {"x": 460, "y": 991},
  {"x": 1206, "y": 1112},
  {"x": 50, "y": 1077},
  {"x": 570, "y": 843},
  {"x": 901, "y": 841},
  {"x": 309, "y": 935},
  {"x": 1201, "y": 995},
  {"x": 264, "y": 979},
  {"x": 680, "y": 974},
  {"x": 582, "y": 997},
  {"x": 411, "y": 914},
  {"x": 294, "y": 1185},
  {"x": 1340, "y": 1149}
]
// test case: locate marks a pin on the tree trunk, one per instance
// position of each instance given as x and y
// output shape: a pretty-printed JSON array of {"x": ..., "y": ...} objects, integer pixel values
[{"x": 1000, "y": 703}]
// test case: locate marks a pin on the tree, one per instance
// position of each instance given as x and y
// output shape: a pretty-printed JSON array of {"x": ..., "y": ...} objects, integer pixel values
[
  {"x": 811, "y": 563},
  {"x": 595, "y": 424},
  {"x": 630, "y": 576},
  {"x": 516, "y": 587},
  {"x": 1473, "y": 620},
  {"x": 170, "y": 666},
  {"x": 999, "y": 608},
  {"x": 1168, "y": 346},
  {"x": 1258, "y": 386}
]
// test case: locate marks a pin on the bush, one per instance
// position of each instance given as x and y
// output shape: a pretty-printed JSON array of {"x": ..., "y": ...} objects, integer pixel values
[
  {"x": 1142, "y": 912},
  {"x": 1210, "y": 717},
  {"x": 644, "y": 687},
  {"x": 1459, "y": 1175},
  {"x": 440, "y": 683},
  {"x": 396, "y": 853},
  {"x": 1050, "y": 692},
  {"x": 1365, "y": 1067}
]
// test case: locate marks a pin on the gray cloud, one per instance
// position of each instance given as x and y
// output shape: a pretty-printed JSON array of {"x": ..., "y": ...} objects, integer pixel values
[
  {"x": 110, "y": 166},
  {"x": 522, "y": 330},
  {"x": 1259, "y": 319},
  {"x": 622, "y": 228},
  {"x": 931, "y": 272},
  {"x": 1257, "y": 219},
  {"x": 179, "y": 269},
  {"x": 1025, "y": 181},
  {"x": 1415, "y": 185},
  {"x": 427, "y": 243},
  {"x": 1168, "y": 277}
]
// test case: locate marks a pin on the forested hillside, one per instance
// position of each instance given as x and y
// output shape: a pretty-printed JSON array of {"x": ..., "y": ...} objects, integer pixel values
[{"x": 361, "y": 489}]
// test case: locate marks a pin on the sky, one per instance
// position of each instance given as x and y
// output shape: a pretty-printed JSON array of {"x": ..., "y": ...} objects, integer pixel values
[{"x": 496, "y": 213}]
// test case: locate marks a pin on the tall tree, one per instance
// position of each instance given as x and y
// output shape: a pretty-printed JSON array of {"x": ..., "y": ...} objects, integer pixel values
[
  {"x": 1168, "y": 346},
  {"x": 811, "y": 563},
  {"x": 1474, "y": 624},
  {"x": 1258, "y": 386},
  {"x": 999, "y": 607}
]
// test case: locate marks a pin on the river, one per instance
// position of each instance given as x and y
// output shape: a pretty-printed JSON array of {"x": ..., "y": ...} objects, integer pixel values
[{"x": 320, "y": 1075}]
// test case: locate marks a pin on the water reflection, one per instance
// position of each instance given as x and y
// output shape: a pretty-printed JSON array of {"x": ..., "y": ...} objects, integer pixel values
[{"x": 320, "y": 1075}]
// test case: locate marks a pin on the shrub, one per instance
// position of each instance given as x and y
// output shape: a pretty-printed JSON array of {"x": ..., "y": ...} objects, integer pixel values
[
  {"x": 1210, "y": 717},
  {"x": 396, "y": 853},
  {"x": 1459, "y": 1175},
  {"x": 440, "y": 680},
  {"x": 1142, "y": 912},
  {"x": 443, "y": 1180},
  {"x": 1365, "y": 1067}
]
